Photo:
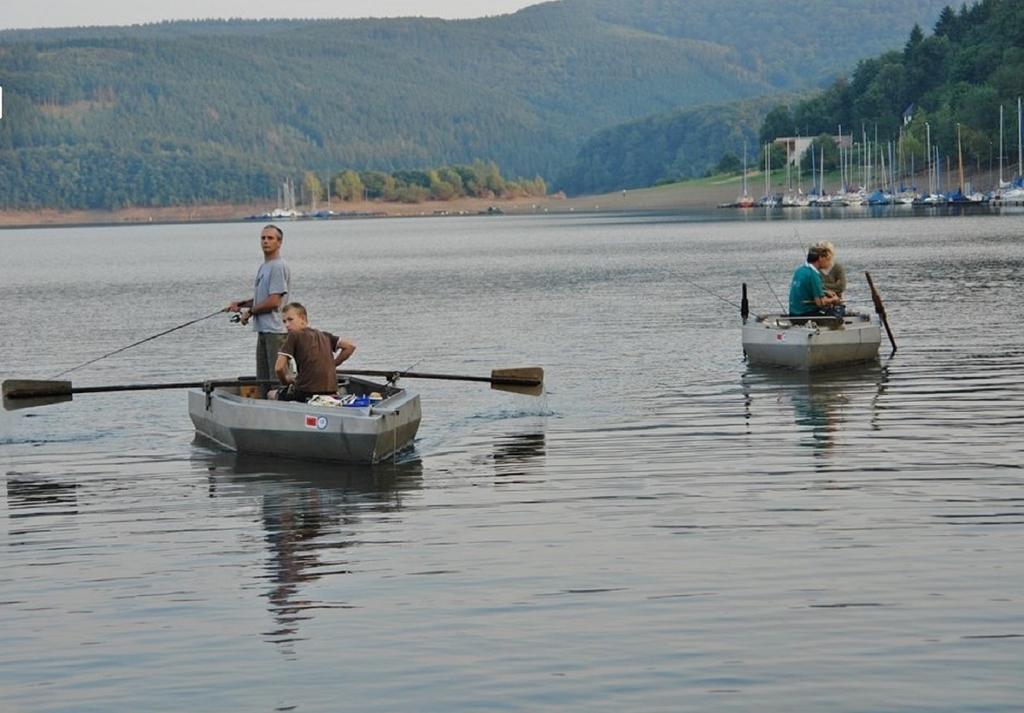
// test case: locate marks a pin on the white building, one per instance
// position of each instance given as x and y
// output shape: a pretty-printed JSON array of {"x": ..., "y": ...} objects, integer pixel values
[{"x": 796, "y": 146}]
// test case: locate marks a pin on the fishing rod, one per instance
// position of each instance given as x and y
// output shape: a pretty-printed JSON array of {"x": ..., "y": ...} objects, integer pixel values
[{"x": 141, "y": 341}]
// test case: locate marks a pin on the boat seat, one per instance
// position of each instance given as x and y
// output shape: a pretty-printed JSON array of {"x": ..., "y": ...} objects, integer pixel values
[{"x": 822, "y": 320}]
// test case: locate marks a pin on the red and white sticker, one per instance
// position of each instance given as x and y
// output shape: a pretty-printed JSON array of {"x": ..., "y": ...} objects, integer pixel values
[{"x": 317, "y": 422}]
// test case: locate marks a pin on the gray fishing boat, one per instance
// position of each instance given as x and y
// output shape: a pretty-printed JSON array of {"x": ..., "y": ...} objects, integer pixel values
[
  {"x": 811, "y": 342},
  {"x": 369, "y": 433},
  {"x": 814, "y": 341}
]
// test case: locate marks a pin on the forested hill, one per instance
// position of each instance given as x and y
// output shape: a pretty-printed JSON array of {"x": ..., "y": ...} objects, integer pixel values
[
  {"x": 958, "y": 75},
  {"x": 213, "y": 111},
  {"x": 665, "y": 147}
]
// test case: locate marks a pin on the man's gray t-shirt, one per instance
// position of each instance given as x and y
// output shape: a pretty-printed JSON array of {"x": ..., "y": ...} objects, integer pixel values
[{"x": 272, "y": 278}]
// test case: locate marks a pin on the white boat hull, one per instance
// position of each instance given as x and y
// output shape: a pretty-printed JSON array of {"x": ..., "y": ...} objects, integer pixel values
[
  {"x": 367, "y": 434},
  {"x": 777, "y": 340}
]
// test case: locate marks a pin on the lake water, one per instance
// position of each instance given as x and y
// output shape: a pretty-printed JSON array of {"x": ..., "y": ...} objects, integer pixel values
[{"x": 667, "y": 529}]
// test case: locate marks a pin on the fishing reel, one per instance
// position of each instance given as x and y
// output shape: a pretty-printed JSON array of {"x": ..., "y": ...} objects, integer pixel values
[{"x": 236, "y": 318}]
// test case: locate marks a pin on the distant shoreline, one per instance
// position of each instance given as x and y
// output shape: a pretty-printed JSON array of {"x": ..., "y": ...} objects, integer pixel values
[{"x": 660, "y": 198}]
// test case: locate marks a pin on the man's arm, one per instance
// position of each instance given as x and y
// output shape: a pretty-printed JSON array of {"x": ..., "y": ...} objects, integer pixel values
[
  {"x": 271, "y": 304},
  {"x": 237, "y": 305}
]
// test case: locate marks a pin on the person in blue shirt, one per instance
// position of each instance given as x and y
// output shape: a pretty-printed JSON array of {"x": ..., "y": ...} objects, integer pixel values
[{"x": 807, "y": 295}]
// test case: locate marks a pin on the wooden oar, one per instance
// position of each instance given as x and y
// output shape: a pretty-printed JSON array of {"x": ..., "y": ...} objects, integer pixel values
[
  {"x": 25, "y": 393},
  {"x": 880, "y": 311},
  {"x": 525, "y": 380}
]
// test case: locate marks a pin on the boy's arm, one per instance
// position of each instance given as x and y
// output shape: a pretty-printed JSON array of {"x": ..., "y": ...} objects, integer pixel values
[
  {"x": 346, "y": 349},
  {"x": 281, "y": 369}
]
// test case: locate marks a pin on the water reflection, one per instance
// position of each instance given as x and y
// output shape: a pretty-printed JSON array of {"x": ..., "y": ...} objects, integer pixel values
[
  {"x": 29, "y": 497},
  {"x": 516, "y": 454},
  {"x": 311, "y": 515},
  {"x": 519, "y": 448},
  {"x": 822, "y": 402}
]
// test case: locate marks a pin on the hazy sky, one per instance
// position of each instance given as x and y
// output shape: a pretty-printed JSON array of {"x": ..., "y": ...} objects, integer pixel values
[{"x": 69, "y": 13}]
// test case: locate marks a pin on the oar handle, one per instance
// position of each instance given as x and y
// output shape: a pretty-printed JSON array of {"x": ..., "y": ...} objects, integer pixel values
[
  {"x": 494, "y": 379},
  {"x": 34, "y": 389}
]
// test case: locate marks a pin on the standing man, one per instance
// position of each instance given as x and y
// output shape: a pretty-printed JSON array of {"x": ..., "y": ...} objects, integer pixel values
[{"x": 264, "y": 309}]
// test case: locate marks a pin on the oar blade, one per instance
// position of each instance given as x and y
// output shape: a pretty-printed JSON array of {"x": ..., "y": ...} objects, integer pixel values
[
  {"x": 28, "y": 393},
  {"x": 523, "y": 380},
  {"x": 880, "y": 310}
]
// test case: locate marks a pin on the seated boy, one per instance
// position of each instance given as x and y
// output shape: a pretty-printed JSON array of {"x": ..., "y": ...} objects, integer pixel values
[{"x": 314, "y": 354}]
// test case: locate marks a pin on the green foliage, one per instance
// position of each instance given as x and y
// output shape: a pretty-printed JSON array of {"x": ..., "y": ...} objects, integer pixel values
[
  {"x": 826, "y": 152},
  {"x": 972, "y": 64},
  {"x": 683, "y": 144},
  {"x": 778, "y": 155},
  {"x": 779, "y": 122},
  {"x": 213, "y": 110},
  {"x": 479, "y": 179},
  {"x": 729, "y": 163}
]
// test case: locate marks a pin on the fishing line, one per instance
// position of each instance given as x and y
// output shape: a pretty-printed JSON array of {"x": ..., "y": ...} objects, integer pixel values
[
  {"x": 141, "y": 341},
  {"x": 705, "y": 289},
  {"x": 771, "y": 289}
]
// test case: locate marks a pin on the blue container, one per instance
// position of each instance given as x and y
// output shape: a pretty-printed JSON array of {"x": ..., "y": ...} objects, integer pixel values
[{"x": 360, "y": 401}]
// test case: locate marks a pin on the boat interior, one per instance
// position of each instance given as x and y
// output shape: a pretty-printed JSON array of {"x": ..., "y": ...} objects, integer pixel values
[
  {"x": 346, "y": 385},
  {"x": 784, "y": 321}
]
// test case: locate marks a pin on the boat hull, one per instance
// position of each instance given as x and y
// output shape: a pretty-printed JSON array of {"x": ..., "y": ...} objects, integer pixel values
[
  {"x": 776, "y": 340},
  {"x": 367, "y": 434}
]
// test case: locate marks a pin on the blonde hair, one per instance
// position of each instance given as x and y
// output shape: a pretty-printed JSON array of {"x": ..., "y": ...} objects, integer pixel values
[
  {"x": 295, "y": 307},
  {"x": 824, "y": 247}
]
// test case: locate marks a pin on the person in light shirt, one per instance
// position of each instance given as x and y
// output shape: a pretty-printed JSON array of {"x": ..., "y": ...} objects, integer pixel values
[{"x": 264, "y": 308}]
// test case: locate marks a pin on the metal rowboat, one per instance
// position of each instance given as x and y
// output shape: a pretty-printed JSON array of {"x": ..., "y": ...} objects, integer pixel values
[
  {"x": 811, "y": 342},
  {"x": 354, "y": 434}
]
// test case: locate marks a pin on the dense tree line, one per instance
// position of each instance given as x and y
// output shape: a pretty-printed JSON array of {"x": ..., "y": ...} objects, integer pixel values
[
  {"x": 477, "y": 180},
  {"x": 667, "y": 147},
  {"x": 794, "y": 42},
  {"x": 961, "y": 74},
  {"x": 99, "y": 117}
]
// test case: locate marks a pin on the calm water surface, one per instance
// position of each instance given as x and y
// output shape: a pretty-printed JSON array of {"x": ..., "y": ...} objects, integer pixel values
[{"x": 666, "y": 529}]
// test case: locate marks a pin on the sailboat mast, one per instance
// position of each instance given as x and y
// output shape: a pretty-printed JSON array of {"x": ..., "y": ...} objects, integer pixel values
[
  {"x": 799, "y": 169},
  {"x": 892, "y": 168},
  {"x": 744, "y": 167},
  {"x": 842, "y": 164},
  {"x": 1000, "y": 146},
  {"x": 1020, "y": 135},
  {"x": 928, "y": 140},
  {"x": 821, "y": 166},
  {"x": 959, "y": 158}
]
